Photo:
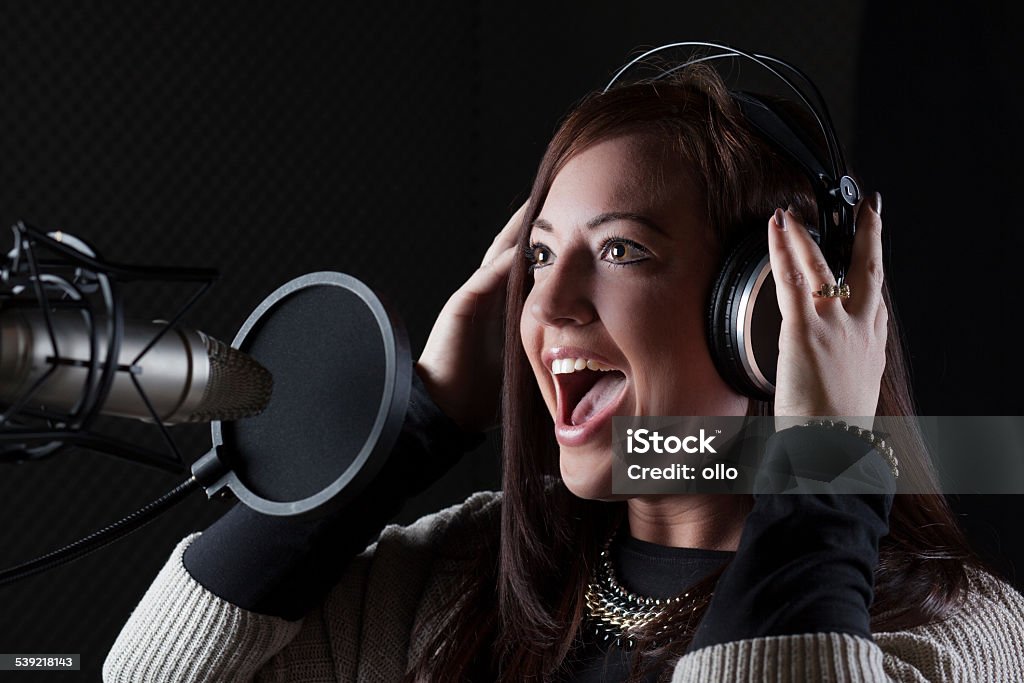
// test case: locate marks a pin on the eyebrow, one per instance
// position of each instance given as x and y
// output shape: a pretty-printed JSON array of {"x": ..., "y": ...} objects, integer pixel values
[{"x": 607, "y": 217}]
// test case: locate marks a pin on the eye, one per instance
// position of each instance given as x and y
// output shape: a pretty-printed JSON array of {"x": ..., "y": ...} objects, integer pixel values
[
  {"x": 537, "y": 255},
  {"x": 620, "y": 251}
]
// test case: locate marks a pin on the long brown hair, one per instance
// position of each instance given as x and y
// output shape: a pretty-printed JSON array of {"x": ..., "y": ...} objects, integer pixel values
[{"x": 518, "y": 615}]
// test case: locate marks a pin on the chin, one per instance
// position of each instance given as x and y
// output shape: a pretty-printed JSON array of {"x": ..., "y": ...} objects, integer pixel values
[{"x": 587, "y": 472}]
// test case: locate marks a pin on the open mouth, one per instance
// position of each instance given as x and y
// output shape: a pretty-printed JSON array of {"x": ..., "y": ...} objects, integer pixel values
[{"x": 585, "y": 392}]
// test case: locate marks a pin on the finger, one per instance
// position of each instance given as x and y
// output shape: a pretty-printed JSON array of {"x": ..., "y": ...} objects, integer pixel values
[
  {"x": 492, "y": 274},
  {"x": 811, "y": 260},
  {"x": 866, "y": 276},
  {"x": 791, "y": 284},
  {"x": 507, "y": 236}
]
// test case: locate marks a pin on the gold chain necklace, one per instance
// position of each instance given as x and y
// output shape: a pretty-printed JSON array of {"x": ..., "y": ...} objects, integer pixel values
[{"x": 619, "y": 615}]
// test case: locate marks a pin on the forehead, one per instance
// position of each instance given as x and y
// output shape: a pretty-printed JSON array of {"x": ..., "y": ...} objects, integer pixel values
[{"x": 637, "y": 172}]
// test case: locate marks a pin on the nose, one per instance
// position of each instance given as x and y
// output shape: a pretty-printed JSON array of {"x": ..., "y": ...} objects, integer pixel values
[{"x": 563, "y": 293}]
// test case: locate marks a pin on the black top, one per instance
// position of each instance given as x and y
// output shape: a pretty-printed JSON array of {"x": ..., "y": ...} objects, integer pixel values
[{"x": 805, "y": 563}]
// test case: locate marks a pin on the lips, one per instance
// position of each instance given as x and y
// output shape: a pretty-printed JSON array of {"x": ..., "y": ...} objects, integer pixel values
[{"x": 587, "y": 398}]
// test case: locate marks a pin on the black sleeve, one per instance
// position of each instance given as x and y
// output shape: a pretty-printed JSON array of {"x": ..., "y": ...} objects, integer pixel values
[
  {"x": 806, "y": 561},
  {"x": 284, "y": 566}
]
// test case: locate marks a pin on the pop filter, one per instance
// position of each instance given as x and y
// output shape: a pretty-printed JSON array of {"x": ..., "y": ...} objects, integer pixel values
[{"x": 342, "y": 373}]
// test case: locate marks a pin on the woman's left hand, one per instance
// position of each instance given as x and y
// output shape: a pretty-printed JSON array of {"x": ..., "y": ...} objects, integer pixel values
[{"x": 831, "y": 350}]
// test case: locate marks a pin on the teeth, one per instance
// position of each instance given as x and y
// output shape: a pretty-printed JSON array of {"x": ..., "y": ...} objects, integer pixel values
[{"x": 561, "y": 366}]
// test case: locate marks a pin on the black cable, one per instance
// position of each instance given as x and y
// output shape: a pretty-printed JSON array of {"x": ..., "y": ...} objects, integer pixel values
[{"x": 103, "y": 537}]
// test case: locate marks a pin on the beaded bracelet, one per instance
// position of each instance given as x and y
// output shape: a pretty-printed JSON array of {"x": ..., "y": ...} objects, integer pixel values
[{"x": 877, "y": 442}]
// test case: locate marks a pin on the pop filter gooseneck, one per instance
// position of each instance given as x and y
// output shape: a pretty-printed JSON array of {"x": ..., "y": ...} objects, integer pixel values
[{"x": 342, "y": 375}]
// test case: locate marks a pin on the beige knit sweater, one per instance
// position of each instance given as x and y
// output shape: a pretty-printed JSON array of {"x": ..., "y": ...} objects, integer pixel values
[{"x": 363, "y": 630}]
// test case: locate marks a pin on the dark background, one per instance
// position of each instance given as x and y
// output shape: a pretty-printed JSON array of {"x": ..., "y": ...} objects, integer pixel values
[{"x": 273, "y": 139}]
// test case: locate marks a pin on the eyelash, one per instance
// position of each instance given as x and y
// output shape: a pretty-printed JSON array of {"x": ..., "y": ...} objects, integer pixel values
[{"x": 528, "y": 252}]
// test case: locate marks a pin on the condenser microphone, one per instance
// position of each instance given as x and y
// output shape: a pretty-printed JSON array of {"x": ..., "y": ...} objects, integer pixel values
[{"x": 185, "y": 375}]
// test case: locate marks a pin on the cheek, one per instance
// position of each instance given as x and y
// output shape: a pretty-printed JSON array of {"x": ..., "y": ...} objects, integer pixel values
[
  {"x": 662, "y": 336},
  {"x": 531, "y": 336},
  {"x": 657, "y": 323},
  {"x": 529, "y": 332}
]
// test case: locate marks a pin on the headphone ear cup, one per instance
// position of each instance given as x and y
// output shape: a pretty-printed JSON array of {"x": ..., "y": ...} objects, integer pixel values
[{"x": 744, "y": 319}]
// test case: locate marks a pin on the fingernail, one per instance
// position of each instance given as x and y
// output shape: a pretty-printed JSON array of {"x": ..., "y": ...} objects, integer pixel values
[
  {"x": 876, "y": 203},
  {"x": 780, "y": 219}
]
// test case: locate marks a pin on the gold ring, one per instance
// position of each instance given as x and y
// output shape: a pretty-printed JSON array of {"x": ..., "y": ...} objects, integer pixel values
[{"x": 827, "y": 291}]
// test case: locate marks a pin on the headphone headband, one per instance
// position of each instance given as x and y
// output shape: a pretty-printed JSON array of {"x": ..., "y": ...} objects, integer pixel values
[{"x": 836, "y": 191}]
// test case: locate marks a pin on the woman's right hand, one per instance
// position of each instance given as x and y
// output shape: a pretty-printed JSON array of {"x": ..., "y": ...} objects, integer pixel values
[{"x": 461, "y": 365}]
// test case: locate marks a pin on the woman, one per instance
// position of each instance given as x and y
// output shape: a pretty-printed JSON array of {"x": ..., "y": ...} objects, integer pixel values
[{"x": 635, "y": 198}]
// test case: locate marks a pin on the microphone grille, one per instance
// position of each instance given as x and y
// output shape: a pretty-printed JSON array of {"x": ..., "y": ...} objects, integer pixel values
[{"x": 238, "y": 386}]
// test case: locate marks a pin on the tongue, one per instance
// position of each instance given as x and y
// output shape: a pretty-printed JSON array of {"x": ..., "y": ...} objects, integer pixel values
[{"x": 599, "y": 396}]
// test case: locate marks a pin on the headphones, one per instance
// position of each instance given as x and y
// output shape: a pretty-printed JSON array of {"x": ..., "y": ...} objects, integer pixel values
[{"x": 743, "y": 318}]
